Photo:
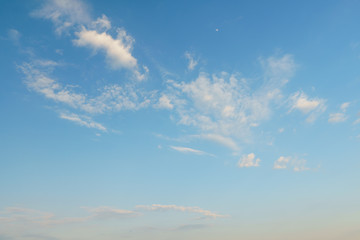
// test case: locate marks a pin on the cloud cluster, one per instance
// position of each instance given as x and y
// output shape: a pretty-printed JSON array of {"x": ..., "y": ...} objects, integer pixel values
[
  {"x": 290, "y": 162},
  {"x": 225, "y": 106},
  {"x": 111, "y": 98},
  {"x": 249, "y": 161}
]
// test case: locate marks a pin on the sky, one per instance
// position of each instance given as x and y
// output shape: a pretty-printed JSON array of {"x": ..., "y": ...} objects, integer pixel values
[{"x": 179, "y": 120}]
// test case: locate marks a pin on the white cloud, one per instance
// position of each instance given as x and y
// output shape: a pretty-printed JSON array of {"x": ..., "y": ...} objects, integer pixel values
[
  {"x": 340, "y": 116},
  {"x": 295, "y": 164},
  {"x": 225, "y": 104},
  {"x": 111, "y": 97},
  {"x": 337, "y": 117},
  {"x": 281, "y": 162},
  {"x": 101, "y": 24},
  {"x": 159, "y": 207},
  {"x": 64, "y": 13},
  {"x": 344, "y": 106},
  {"x": 192, "y": 61},
  {"x": 164, "y": 103},
  {"x": 117, "y": 50},
  {"x": 188, "y": 150},
  {"x": 248, "y": 161},
  {"x": 312, "y": 107},
  {"x": 83, "y": 121}
]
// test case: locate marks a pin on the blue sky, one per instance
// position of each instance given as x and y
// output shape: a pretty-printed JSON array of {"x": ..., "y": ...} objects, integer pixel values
[{"x": 179, "y": 120}]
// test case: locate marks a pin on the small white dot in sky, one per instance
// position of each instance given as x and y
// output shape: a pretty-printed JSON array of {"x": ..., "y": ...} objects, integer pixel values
[{"x": 217, "y": 29}]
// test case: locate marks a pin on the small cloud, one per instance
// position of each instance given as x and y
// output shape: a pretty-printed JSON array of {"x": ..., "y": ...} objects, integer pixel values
[
  {"x": 192, "y": 61},
  {"x": 248, "y": 161},
  {"x": 164, "y": 103},
  {"x": 59, "y": 51},
  {"x": 281, "y": 130},
  {"x": 189, "y": 150},
  {"x": 14, "y": 35},
  {"x": 312, "y": 107},
  {"x": 344, "y": 106}
]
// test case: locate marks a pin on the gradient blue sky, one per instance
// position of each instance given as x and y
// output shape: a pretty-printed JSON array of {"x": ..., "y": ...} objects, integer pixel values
[{"x": 179, "y": 120}]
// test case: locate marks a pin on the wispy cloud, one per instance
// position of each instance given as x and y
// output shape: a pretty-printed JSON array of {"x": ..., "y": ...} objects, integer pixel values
[
  {"x": 192, "y": 61},
  {"x": 64, "y": 13},
  {"x": 83, "y": 121},
  {"x": 14, "y": 36},
  {"x": 248, "y": 161},
  {"x": 189, "y": 150},
  {"x": 24, "y": 215},
  {"x": 111, "y": 97},
  {"x": 225, "y": 141},
  {"x": 159, "y": 207}
]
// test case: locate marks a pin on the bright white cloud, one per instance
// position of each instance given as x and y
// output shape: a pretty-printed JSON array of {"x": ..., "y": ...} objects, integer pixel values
[
  {"x": 312, "y": 107},
  {"x": 64, "y": 13},
  {"x": 188, "y": 150},
  {"x": 159, "y": 207},
  {"x": 117, "y": 50},
  {"x": 83, "y": 121},
  {"x": 295, "y": 164},
  {"x": 249, "y": 161},
  {"x": 192, "y": 61}
]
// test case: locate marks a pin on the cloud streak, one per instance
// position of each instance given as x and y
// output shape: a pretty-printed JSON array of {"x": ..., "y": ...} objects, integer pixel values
[{"x": 159, "y": 207}]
